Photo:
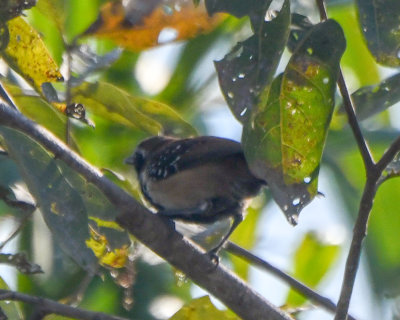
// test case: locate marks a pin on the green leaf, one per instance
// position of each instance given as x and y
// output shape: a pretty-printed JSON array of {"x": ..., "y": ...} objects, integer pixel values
[
  {"x": 374, "y": 99},
  {"x": 312, "y": 260},
  {"x": 202, "y": 308},
  {"x": 383, "y": 231},
  {"x": 250, "y": 66},
  {"x": 284, "y": 139},
  {"x": 60, "y": 203},
  {"x": 53, "y": 9},
  {"x": 379, "y": 21},
  {"x": 110, "y": 102},
  {"x": 38, "y": 110},
  {"x": 10, "y": 308}
]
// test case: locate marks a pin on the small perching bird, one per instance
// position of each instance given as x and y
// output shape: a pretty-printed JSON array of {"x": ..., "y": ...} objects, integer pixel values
[{"x": 199, "y": 180}]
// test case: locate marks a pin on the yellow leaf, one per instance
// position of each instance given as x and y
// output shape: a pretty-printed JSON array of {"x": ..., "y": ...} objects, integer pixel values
[
  {"x": 27, "y": 55},
  {"x": 113, "y": 258},
  {"x": 181, "y": 20},
  {"x": 202, "y": 308}
]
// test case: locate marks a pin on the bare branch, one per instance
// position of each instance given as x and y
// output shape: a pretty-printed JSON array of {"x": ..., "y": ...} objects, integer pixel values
[
  {"x": 154, "y": 232},
  {"x": 389, "y": 155},
  {"x": 349, "y": 107},
  {"x": 292, "y": 282},
  {"x": 50, "y": 306}
]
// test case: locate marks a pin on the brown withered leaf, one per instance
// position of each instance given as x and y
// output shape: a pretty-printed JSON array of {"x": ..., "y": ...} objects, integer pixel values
[{"x": 143, "y": 24}]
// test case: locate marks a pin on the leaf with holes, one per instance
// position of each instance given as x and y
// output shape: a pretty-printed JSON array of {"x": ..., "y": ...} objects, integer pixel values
[
  {"x": 27, "y": 54},
  {"x": 251, "y": 64},
  {"x": 284, "y": 139},
  {"x": 380, "y": 23}
]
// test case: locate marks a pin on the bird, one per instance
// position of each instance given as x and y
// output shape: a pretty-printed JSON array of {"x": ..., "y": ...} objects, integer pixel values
[{"x": 201, "y": 180}]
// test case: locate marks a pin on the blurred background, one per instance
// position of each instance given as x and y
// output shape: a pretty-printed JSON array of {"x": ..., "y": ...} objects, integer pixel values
[{"x": 181, "y": 75}]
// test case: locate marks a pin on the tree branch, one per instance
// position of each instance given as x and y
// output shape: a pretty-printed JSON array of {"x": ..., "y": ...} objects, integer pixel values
[
  {"x": 349, "y": 107},
  {"x": 292, "y": 282},
  {"x": 154, "y": 232},
  {"x": 50, "y": 306},
  {"x": 389, "y": 155}
]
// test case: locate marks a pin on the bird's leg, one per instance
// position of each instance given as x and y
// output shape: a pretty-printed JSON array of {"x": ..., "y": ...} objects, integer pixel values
[{"x": 237, "y": 219}]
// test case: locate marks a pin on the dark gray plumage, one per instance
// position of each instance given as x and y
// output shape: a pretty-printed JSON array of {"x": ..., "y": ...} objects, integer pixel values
[{"x": 199, "y": 180}]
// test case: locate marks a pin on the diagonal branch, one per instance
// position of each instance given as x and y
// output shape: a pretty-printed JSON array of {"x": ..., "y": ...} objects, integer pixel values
[
  {"x": 292, "y": 282},
  {"x": 153, "y": 231},
  {"x": 53, "y": 307}
]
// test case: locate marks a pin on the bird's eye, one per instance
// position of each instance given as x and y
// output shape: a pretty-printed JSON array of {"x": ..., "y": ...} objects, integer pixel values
[{"x": 138, "y": 161}]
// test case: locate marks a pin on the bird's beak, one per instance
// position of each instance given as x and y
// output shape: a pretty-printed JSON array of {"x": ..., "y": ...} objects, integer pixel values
[{"x": 131, "y": 160}]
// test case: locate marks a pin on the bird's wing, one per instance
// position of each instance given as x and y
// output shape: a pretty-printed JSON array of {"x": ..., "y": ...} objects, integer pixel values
[{"x": 175, "y": 156}]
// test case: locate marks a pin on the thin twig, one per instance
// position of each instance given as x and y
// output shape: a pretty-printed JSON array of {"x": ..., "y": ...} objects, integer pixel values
[
  {"x": 292, "y": 282},
  {"x": 21, "y": 225},
  {"x": 389, "y": 155},
  {"x": 154, "y": 232},
  {"x": 373, "y": 174},
  {"x": 349, "y": 107},
  {"x": 50, "y": 306}
]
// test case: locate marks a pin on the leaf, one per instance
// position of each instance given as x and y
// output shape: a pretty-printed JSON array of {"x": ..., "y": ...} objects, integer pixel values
[
  {"x": 28, "y": 56},
  {"x": 9, "y": 307},
  {"x": 379, "y": 20},
  {"x": 383, "y": 227},
  {"x": 141, "y": 25},
  {"x": 284, "y": 139},
  {"x": 110, "y": 102},
  {"x": 202, "y": 308},
  {"x": 250, "y": 66},
  {"x": 313, "y": 259},
  {"x": 38, "y": 110},
  {"x": 55, "y": 10},
  {"x": 61, "y": 205},
  {"x": 374, "y": 99}
]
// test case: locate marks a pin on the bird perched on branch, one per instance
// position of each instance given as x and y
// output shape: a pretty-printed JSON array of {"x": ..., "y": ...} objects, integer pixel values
[{"x": 200, "y": 180}]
